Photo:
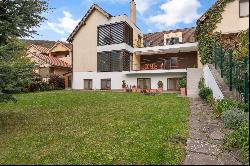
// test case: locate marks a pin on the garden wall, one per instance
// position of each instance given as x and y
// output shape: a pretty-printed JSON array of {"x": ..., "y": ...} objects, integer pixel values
[{"x": 211, "y": 83}]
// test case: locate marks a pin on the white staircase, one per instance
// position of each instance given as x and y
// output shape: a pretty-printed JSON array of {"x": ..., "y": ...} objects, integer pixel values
[{"x": 193, "y": 78}]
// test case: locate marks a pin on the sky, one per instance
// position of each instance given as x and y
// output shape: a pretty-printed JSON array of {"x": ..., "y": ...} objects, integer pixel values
[{"x": 152, "y": 15}]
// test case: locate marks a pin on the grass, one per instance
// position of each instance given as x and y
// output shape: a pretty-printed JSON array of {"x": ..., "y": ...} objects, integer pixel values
[{"x": 73, "y": 127}]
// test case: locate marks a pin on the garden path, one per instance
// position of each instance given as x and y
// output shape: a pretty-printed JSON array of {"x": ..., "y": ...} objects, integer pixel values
[{"x": 204, "y": 145}]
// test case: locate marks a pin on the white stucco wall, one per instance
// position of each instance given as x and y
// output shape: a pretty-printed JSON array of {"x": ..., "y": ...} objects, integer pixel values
[
  {"x": 118, "y": 77},
  {"x": 211, "y": 83}
]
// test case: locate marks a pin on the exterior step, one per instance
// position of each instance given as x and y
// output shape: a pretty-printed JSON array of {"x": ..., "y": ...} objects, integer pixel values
[{"x": 221, "y": 83}]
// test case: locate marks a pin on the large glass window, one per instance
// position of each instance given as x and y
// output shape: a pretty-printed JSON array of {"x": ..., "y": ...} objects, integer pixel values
[
  {"x": 105, "y": 84},
  {"x": 115, "y": 33},
  {"x": 244, "y": 8},
  {"x": 144, "y": 83},
  {"x": 114, "y": 61},
  {"x": 88, "y": 84}
]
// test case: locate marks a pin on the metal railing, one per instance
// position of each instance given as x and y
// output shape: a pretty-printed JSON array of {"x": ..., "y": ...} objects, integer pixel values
[{"x": 234, "y": 72}]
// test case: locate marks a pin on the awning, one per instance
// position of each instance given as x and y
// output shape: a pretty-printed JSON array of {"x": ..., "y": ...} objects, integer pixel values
[
  {"x": 176, "y": 48},
  {"x": 155, "y": 72}
]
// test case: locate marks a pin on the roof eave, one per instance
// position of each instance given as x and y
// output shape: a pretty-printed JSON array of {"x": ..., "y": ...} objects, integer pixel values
[{"x": 84, "y": 19}]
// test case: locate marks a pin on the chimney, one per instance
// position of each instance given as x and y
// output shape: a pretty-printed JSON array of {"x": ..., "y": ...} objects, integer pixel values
[{"x": 133, "y": 11}]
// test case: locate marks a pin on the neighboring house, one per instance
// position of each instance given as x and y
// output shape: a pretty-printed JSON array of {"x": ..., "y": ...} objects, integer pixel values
[
  {"x": 109, "y": 49},
  {"x": 235, "y": 18},
  {"x": 54, "y": 60}
]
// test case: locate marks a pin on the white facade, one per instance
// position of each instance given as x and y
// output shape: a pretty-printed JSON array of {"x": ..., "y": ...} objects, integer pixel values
[
  {"x": 118, "y": 77},
  {"x": 211, "y": 83}
]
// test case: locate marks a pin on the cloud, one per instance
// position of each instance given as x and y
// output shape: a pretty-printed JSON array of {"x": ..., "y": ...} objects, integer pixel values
[
  {"x": 143, "y": 5},
  {"x": 175, "y": 12},
  {"x": 65, "y": 25}
]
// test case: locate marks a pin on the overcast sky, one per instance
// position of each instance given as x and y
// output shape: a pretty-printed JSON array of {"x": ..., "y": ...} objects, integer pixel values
[{"x": 152, "y": 15}]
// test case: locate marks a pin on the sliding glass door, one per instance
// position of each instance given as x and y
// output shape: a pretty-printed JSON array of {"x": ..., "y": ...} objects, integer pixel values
[
  {"x": 173, "y": 84},
  {"x": 144, "y": 83}
]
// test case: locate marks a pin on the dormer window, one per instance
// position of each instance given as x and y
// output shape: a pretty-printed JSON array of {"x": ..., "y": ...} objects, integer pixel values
[
  {"x": 172, "y": 41},
  {"x": 244, "y": 8}
]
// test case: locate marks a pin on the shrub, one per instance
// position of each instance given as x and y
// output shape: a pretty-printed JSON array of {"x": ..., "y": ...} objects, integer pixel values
[
  {"x": 239, "y": 138},
  {"x": 226, "y": 104},
  {"x": 182, "y": 83},
  {"x": 44, "y": 86},
  {"x": 201, "y": 83},
  {"x": 33, "y": 87},
  {"x": 124, "y": 85},
  {"x": 233, "y": 118},
  {"x": 56, "y": 82},
  {"x": 205, "y": 92},
  {"x": 160, "y": 84},
  {"x": 210, "y": 100}
]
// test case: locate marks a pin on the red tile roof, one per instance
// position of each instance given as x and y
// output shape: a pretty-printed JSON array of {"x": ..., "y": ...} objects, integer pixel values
[
  {"x": 40, "y": 48},
  {"x": 52, "y": 60},
  {"x": 157, "y": 38}
]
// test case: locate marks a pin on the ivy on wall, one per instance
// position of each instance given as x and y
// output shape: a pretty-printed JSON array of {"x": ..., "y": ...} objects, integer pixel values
[
  {"x": 205, "y": 27},
  {"x": 242, "y": 47}
]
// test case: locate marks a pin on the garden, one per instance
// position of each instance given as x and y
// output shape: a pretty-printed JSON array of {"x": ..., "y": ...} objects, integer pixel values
[
  {"x": 75, "y": 127},
  {"x": 234, "y": 116}
]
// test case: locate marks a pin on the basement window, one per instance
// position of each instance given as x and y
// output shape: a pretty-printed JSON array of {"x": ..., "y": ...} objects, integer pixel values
[{"x": 244, "y": 8}]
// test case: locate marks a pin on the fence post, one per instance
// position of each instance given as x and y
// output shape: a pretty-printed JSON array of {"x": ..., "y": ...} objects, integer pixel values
[
  {"x": 221, "y": 61},
  {"x": 230, "y": 56},
  {"x": 246, "y": 97},
  {"x": 215, "y": 56}
]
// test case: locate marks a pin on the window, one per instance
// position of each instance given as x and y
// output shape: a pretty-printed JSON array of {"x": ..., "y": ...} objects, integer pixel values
[
  {"x": 105, "y": 84},
  {"x": 88, "y": 84},
  {"x": 144, "y": 83},
  {"x": 116, "y": 33},
  {"x": 244, "y": 8},
  {"x": 173, "y": 84},
  {"x": 173, "y": 62},
  {"x": 172, "y": 41},
  {"x": 115, "y": 61}
]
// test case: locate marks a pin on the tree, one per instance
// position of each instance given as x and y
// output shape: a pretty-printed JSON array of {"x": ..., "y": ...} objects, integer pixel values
[{"x": 18, "y": 18}]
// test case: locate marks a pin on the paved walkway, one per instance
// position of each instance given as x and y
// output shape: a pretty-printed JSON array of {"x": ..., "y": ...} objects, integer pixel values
[{"x": 204, "y": 145}]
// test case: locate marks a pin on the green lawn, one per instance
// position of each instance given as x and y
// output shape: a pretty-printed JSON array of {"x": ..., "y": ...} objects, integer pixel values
[{"x": 73, "y": 127}]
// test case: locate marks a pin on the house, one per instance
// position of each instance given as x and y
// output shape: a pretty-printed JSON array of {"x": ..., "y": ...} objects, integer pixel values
[
  {"x": 235, "y": 18},
  {"x": 54, "y": 60},
  {"x": 109, "y": 49}
]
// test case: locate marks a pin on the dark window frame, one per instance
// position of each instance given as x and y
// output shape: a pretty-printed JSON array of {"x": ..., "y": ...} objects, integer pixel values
[
  {"x": 175, "y": 84},
  {"x": 115, "y": 33},
  {"x": 143, "y": 79},
  {"x": 124, "y": 61},
  {"x": 91, "y": 80},
  {"x": 106, "y": 88}
]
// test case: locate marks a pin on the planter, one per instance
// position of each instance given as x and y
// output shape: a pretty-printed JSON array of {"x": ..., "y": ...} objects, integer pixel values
[
  {"x": 124, "y": 89},
  {"x": 134, "y": 89},
  {"x": 160, "y": 90},
  {"x": 183, "y": 91}
]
